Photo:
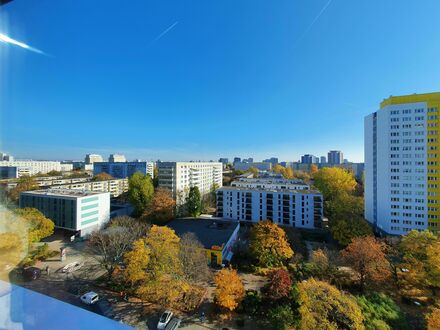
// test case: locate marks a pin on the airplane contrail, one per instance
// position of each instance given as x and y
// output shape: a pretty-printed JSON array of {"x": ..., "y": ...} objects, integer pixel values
[
  {"x": 168, "y": 29},
  {"x": 7, "y": 40},
  {"x": 314, "y": 21}
]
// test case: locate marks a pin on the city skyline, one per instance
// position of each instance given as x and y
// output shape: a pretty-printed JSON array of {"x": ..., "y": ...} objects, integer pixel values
[{"x": 302, "y": 86}]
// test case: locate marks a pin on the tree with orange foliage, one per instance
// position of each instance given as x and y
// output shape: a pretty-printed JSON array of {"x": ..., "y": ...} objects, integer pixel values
[
  {"x": 162, "y": 206},
  {"x": 433, "y": 319},
  {"x": 229, "y": 291},
  {"x": 366, "y": 256},
  {"x": 103, "y": 176},
  {"x": 269, "y": 245}
]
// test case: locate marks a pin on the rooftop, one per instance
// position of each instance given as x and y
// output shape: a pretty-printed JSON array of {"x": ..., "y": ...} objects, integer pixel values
[
  {"x": 64, "y": 192},
  {"x": 298, "y": 191},
  {"x": 208, "y": 231}
]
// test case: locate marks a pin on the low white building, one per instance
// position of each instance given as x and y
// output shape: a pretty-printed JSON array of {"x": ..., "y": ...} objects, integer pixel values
[
  {"x": 179, "y": 177},
  {"x": 81, "y": 212}
]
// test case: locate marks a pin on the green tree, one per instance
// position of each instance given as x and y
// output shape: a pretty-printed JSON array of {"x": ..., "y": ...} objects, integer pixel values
[
  {"x": 254, "y": 171},
  {"x": 381, "y": 312},
  {"x": 332, "y": 181},
  {"x": 344, "y": 231},
  {"x": 281, "y": 317},
  {"x": 194, "y": 202},
  {"x": 140, "y": 191}
]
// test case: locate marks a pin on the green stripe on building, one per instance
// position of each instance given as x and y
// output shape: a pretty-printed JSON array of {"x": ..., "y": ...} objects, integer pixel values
[
  {"x": 88, "y": 221},
  {"x": 90, "y": 199},
  {"x": 88, "y": 207},
  {"x": 85, "y": 215}
]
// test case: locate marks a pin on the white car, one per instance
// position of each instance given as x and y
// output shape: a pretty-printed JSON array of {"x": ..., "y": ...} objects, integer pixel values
[
  {"x": 90, "y": 298},
  {"x": 164, "y": 319},
  {"x": 71, "y": 267}
]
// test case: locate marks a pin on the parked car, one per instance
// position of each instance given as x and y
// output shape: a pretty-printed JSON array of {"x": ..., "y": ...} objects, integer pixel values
[
  {"x": 173, "y": 324},
  {"x": 31, "y": 273},
  {"x": 90, "y": 298},
  {"x": 164, "y": 319},
  {"x": 71, "y": 267},
  {"x": 104, "y": 307}
]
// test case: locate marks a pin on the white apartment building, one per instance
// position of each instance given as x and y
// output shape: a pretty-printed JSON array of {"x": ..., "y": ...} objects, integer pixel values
[
  {"x": 178, "y": 177},
  {"x": 81, "y": 212},
  {"x": 115, "y": 187},
  {"x": 34, "y": 166},
  {"x": 92, "y": 158},
  {"x": 402, "y": 164},
  {"x": 296, "y": 208},
  {"x": 117, "y": 158}
]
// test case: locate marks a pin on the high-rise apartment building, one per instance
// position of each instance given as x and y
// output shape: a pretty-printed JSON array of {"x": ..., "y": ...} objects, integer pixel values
[
  {"x": 402, "y": 164},
  {"x": 309, "y": 159},
  {"x": 93, "y": 158},
  {"x": 322, "y": 160},
  {"x": 178, "y": 177},
  {"x": 335, "y": 157},
  {"x": 116, "y": 158}
]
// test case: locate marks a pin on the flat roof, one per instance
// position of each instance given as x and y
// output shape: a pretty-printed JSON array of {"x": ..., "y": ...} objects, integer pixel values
[
  {"x": 250, "y": 189},
  {"x": 64, "y": 192},
  {"x": 208, "y": 231}
]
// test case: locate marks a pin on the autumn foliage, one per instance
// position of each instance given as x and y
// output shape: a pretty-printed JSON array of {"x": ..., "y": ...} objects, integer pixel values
[
  {"x": 433, "y": 319},
  {"x": 161, "y": 208},
  {"x": 279, "y": 285},
  {"x": 324, "y": 307},
  {"x": 269, "y": 245},
  {"x": 229, "y": 291},
  {"x": 366, "y": 256}
]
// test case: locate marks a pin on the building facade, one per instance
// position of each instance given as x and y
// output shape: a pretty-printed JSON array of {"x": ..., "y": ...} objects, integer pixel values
[
  {"x": 34, "y": 166},
  {"x": 73, "y": 210},
  {"x": 309, "y": 159},
  {"x": 117, "y": 158},
  {"x": 93, "y": 158},
  {"x": 123, "y": 170},
  {"x": 270, "y": 183},
  {"x": 241, "y": 166},
  {"x": 178, "y": 177},
  {"x": 290, "y": 207},
  {"x": 335, "y": 157},
  {"x": 402, "y": 164}
]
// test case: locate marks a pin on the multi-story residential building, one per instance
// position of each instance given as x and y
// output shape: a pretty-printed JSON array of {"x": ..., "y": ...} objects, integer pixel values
[
  {"x": 402, "y": 164},
  {"x": 34, "y": 166},
  {"x": 13, "y": 172},
  {"x": 116, "y": 158},
  {"x": 81, "y": 212},
  {"x": 178, "y": 177},
  {"x": 301, "y": 208},
  {"x": 93, "y": 158},
  {"x": 322, "y": 160},
  {"x": 309, "y": 159},
  {"x": 123, "y": 170},
  {"x": 224, "y": 161},
  {"x": 66, "y": 167},
  {"x": 335, "y": 157},
  {"x": 241, "y": 166},
  {"x": 237, "y": 160},
  {"x": 115, "y": 187}
]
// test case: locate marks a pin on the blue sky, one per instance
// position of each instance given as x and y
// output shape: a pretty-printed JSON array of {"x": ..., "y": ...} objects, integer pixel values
[{"x": 198, "y": 79}]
